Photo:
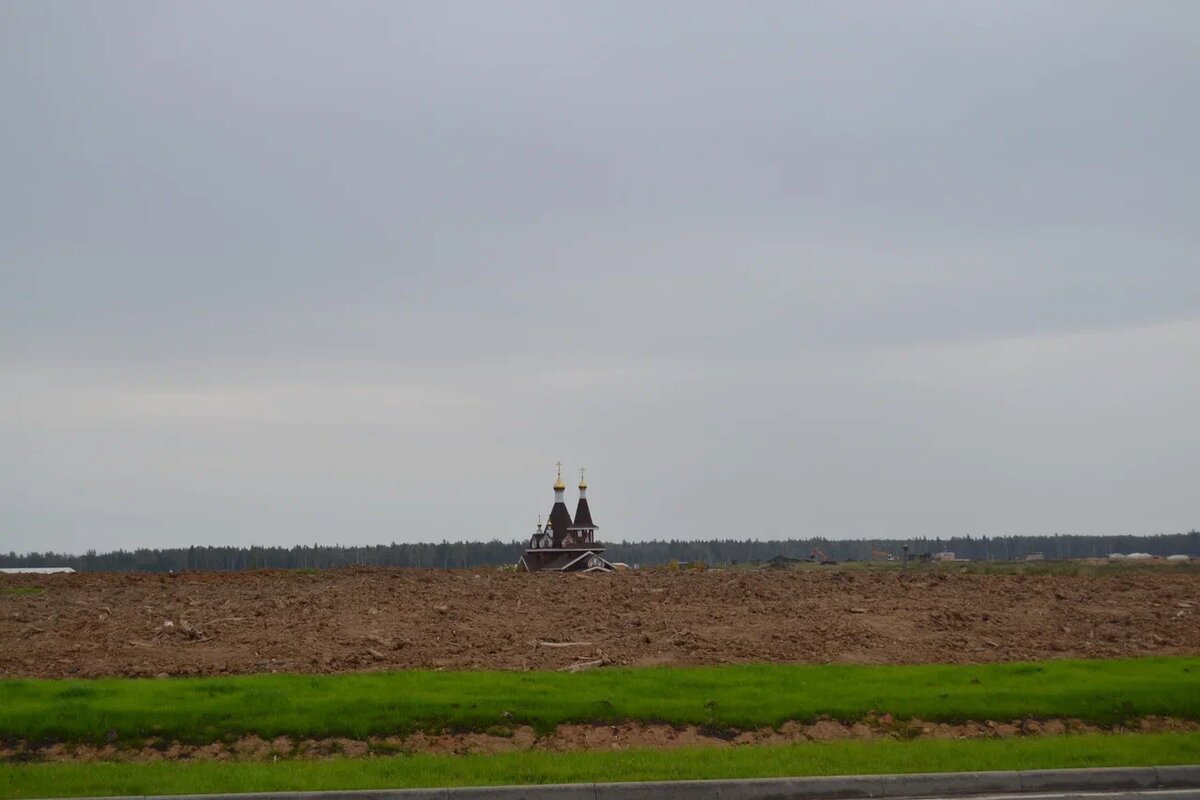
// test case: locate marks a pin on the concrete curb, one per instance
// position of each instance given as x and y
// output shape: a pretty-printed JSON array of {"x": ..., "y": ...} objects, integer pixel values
[
  {"x": 1057, "y": 780},
  {"x": 847, "y": 787}
]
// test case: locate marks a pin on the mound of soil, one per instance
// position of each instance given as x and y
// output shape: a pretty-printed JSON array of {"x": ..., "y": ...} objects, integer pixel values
[
  {"x": 95, "y": 624},
  {"x": 571, "y": 738}
]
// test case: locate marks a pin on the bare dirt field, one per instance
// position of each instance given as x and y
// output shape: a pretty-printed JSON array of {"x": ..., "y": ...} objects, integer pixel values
[{"x": 89, "y": 625}]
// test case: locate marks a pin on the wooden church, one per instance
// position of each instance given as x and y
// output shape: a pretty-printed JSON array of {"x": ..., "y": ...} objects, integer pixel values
[{"x": 563, "y": 544}]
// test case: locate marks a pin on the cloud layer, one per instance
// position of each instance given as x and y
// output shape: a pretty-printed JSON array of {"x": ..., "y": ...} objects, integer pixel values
[{"x": 363, "y": 272}]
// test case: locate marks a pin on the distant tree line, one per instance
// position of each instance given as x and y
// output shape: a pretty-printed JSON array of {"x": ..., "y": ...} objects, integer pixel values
[{"x": 447, "y": 555}]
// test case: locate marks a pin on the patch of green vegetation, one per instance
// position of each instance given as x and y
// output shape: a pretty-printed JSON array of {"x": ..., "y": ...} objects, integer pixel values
[
  {"x": 202, "y": 710},
  {"x": 1087, "y": 568},
  {"x": 22, "y": 590},
  {"x": 1083, "y": 568},
  {"x": 1090, "y": 568},
  {"x": 813, "y": 758}
]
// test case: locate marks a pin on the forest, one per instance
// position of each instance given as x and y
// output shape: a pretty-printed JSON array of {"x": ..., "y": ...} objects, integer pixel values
[{"x": 714, "y": 552}]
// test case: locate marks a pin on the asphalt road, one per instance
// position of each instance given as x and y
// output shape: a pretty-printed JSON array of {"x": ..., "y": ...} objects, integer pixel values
[
  {"x": 1119, "y": 783},
  {"x": 1145, "y": 794}
]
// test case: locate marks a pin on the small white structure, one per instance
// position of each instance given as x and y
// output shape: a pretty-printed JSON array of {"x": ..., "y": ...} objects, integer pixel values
[
  {"x": 945, "y": 555},
  {"x": 1036, "y": 557},
  {"x": 1140, "y": 556},
  {"x": 34, "y": 570},
  {"x": 1179, "y": 557},
  {"x": 1115, "y": 556}
]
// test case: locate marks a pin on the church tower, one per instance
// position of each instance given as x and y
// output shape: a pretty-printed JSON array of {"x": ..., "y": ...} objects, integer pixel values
[
  {"x": 560, "y": 519},
  {"x": 584, "y": 530}
]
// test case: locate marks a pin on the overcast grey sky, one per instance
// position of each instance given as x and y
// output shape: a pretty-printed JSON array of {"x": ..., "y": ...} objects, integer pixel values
[{"x": 284, "y": 272}]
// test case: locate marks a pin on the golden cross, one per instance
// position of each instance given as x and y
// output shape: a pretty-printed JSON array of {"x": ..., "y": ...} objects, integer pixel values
[
  {"x": 559, "y": 465},
  {"x": 581, "y": 475}
]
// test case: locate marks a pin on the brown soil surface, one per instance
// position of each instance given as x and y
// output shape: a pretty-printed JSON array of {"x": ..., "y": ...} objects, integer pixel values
[
  {"x": 96, "y": 624},
  {"x": 573, "y": 738}
]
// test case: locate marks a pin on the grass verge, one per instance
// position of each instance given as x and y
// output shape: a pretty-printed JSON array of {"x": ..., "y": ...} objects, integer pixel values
[
  {"x": 827, "y": 758},
  {"x": 201, "y": 710}
]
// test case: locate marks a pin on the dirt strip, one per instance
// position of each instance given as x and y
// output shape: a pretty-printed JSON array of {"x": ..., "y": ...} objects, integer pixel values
[
  {"x": 571, "y": 738},
  {"x": 359, "y": 619}
]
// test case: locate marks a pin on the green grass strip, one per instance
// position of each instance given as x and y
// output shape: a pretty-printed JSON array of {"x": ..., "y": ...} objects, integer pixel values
[
  {"x": 201, "y": 710},
  {"x": 825, "y": 758}
]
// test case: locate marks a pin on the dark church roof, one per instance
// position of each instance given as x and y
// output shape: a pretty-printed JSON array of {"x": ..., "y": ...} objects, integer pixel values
[
  {"x": 562, "y": 561},
  {"x": 583, "y": 516},
  {"x": 578, "y": 560},
  {"x": 560, "y": 520}
]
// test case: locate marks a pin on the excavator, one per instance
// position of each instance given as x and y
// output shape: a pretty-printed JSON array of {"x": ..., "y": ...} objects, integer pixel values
[{"x": 817, "y": 554}]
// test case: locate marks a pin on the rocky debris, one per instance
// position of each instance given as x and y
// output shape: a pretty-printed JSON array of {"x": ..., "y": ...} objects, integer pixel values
[{"x": 585, "y": 665}]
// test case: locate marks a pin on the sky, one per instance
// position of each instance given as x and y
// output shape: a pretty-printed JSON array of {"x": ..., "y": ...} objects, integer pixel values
[{"x": 355, "y": 273}]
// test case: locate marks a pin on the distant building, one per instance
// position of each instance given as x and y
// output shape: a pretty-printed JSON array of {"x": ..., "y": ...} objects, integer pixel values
[
  {"x": 563, "y": 544},
  {"x": 34, "y": 570},
  {"x": 945, "y": 555},
  {"x": 1036, "y": 557}
]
